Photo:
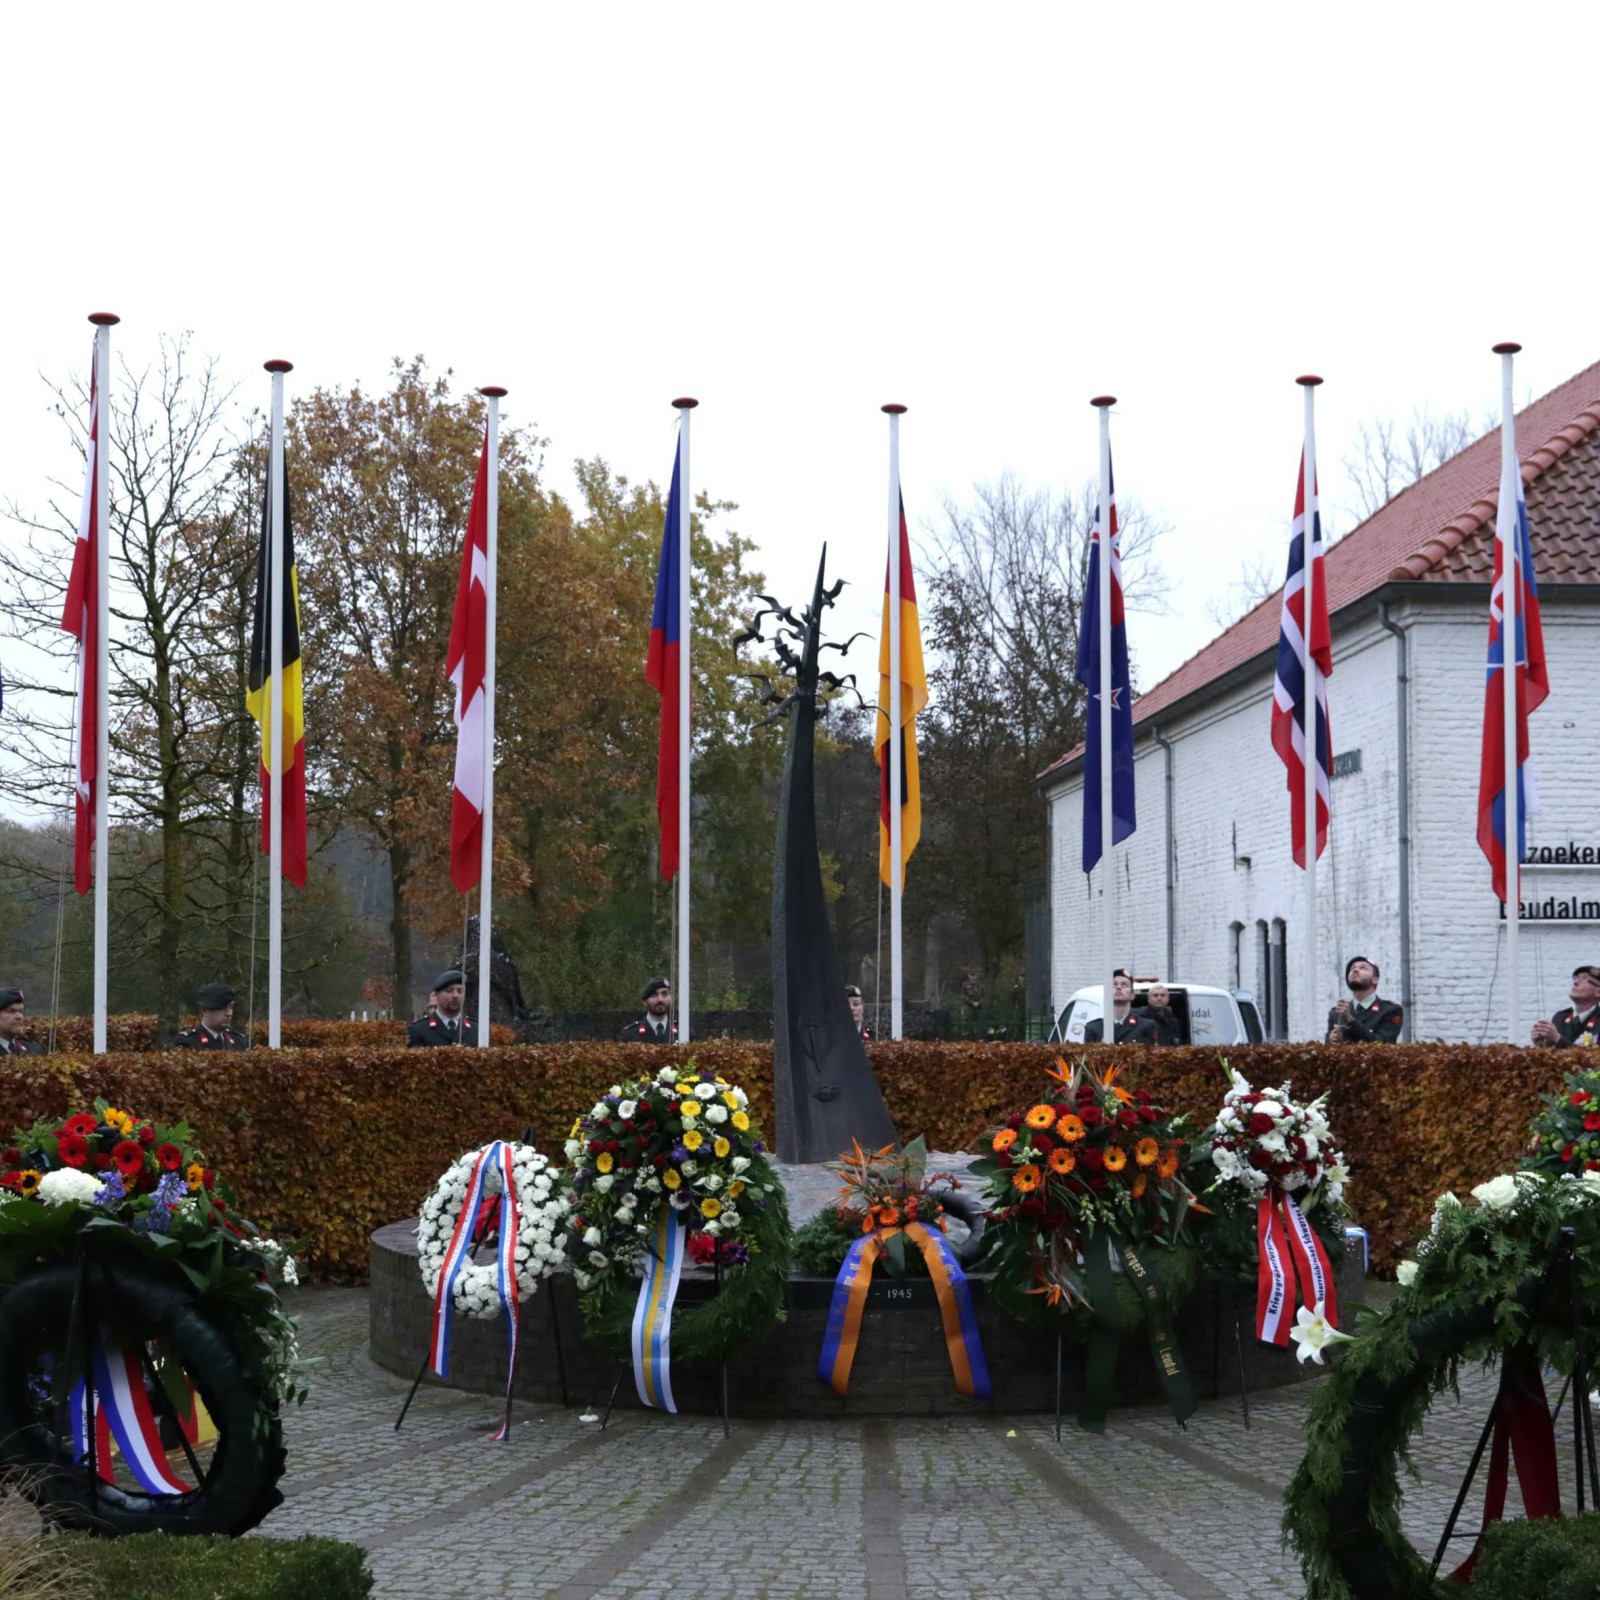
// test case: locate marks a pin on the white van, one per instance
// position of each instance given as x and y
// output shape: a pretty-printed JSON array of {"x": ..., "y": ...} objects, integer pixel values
[{"x": 1205, "y": 1015}]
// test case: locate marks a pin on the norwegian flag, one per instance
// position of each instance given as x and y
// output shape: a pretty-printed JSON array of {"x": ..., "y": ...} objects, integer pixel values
[
  {"x": 1288, "y": 695},
  {"x": 1533, "y": 681},
  {"x": 466, "y": 665},
  {"x": 81, "y": 619}
]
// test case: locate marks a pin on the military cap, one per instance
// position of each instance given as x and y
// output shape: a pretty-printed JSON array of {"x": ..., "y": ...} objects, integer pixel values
[
  {"x": 447, "y": 977},
  {"x": 651, "y": 985},
  {"x": 10, "y": 997},
  {"x": 214, "y": 996}
]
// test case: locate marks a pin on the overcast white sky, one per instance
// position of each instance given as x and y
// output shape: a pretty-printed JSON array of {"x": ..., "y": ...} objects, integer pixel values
[{"x": 990, "y": 213}]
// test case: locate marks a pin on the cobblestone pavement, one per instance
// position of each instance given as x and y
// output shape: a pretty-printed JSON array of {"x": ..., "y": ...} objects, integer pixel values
[{"x": 892, "y": 1509}]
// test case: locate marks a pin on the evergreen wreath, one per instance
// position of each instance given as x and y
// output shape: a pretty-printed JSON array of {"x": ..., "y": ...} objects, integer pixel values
[
  {"x": 685, "y": 1140},
  {"x": 1479, "y": 1287}
]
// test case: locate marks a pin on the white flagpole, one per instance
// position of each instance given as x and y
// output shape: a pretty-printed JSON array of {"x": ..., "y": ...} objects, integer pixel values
[
  {"x": 685, "y": 405},
  {"x": 103, "y": 322},
  {"x": 493, "y": 393},
  {"x": 1506, "y": 531},
  {"x": 1108, "y": 882},
  {"x": 276, "y": 612},
  {"x": 897, "y": 870},
  {"x": 1308, "y": 546}
]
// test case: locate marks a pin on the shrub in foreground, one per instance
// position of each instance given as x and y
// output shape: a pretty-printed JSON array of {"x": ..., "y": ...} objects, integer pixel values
[{"x": 164, "y": 1566}]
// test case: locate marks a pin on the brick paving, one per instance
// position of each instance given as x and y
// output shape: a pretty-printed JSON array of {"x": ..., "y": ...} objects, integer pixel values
[{"x": 658, "y": 1508}]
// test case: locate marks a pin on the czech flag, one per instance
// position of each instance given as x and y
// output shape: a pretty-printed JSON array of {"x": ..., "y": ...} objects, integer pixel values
[{"x": 661, "y": 673}]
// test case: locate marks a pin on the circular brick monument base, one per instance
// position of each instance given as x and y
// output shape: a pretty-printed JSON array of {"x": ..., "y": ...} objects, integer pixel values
[{"x": 901, "y": 1366}]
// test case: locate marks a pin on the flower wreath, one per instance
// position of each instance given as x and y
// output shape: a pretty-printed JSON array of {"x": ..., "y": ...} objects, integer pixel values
[
  {"x": 541, "y": 1228},
  {"x": 682, "y": 1140}
]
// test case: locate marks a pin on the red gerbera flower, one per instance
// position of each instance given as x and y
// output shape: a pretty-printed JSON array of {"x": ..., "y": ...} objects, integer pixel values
[
  {"x": 170, "y": 1157},
  {"x": 82, "y": 1123},
  {"x": 209, "y": 1179},
  {"x": 10, "y": 1158},
  {"x": 1591, "y": 1123},
  {"x": 73, "y": 1149},
  {"x": 129, "y": 1157}
]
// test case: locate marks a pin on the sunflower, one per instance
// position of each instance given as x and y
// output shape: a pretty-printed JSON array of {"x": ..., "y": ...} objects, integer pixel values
[
  {"x": 194, "y": 1176},
  {"x": 689, "y": 1109},
  {"x": 604, "y": 1162},
  {"x": 28, "y": 1181},
  {"x": 1004, "y": 1139},
  {"x": 1062, "y": 1162},
  {"x": 1140, "y": 1184},
  {"x": 740, "y": 1120},
  {"x": 1040, "y": 1117},
  {"x": 1167, "y": 1166},
  {"x": 1070, "y": 1127},
  {"x": 1027, "y": 1178},
  {"x": 671, "y": 1178},
  {"x": 693, "y": 1139},
  {"x": 735, "y": 1189},
  {"x": 120, "y": 1120},
  {"x": 1116, "y": 1158},
  {"x": 721, "y": 1147},
  {"x": 1146, "y": 1152},
  {"x": 709, "y": 1207}
]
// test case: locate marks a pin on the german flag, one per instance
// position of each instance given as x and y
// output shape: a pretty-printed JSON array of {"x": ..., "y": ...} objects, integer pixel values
[
  {"x": 259, "y": 699},
  {"x": 913, "y": 697}
]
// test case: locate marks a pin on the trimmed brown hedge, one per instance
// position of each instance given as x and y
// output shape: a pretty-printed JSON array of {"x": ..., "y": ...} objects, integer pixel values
[
  {"x": 326, "y": 1145},
  {"x": 137, "y": 1033}
]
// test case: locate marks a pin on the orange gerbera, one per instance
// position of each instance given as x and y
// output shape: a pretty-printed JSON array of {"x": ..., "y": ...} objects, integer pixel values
[
  {"x": 1116, "y": 1158},
  {"x": 1071, "y": 1127},
  {"x": 888, "y": 1216},
  {"x": 1062, "y": 1162},
  {"x": 1146, "y": 1152},
  {"x": 1040, "y": 1116},
  {"x": 1167, "y": 1166},
  {"x": 1140, "y": 1184},
  {"x": 1005, "y": 1139},
  {"x": 1027, "y": 1178}
]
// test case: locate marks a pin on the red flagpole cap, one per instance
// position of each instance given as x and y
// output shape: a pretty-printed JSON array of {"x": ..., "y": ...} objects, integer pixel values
[
  {"x": 686, "y": 402},
  {"x": 1499, "y": 349},
  {"x": 493, "y": 391},
  {"x": 1308, "y": 380},
  {"x": 1103, "y": 400},
  {"x": 104, "y": 319},
  {"x": 894, "y": 409},
  {"x": 279, "y": 366}
]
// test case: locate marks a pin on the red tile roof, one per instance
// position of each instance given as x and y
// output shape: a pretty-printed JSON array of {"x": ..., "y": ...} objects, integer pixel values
[{"x": 1441, "y": 529}]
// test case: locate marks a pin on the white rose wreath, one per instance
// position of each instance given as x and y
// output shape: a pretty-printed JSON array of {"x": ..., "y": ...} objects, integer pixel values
[{"x": 541, "y": 1229}]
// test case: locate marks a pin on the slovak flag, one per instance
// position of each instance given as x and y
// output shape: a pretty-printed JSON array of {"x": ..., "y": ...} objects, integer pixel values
[
  {"x": 81, "y": 618},
  {"x": 1288, "y": 695},
  {"x": 1088, "y": 674},
  {"x": 661, "y": 673},
  {"x": 466, "y": 665},
  {"x": 1533, "y": 681}
]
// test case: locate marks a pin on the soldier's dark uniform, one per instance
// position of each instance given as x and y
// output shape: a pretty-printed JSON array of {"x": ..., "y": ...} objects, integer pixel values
[
  {"x": 213, "y": 997},
  {"x": 644, "y": 1030},
  {"x": 1136, "y": 1030},
  {"x": 1573, "y": 1025},
  {"x": 15, "y": 1047},
  {"x": 436, "y": 1029},
  {"x": 1377, "y": 1022}
]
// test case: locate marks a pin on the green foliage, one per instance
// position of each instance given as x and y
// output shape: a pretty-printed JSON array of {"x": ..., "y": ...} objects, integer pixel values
[
  {"x": 1543, "y": 1560},
  {"x": 1566, "y": 1134},
  {"x": 163, "y": 1566}
]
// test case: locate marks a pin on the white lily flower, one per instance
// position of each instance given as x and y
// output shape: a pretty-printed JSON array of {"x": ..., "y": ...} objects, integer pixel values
[
  {"x": 1406, "y": 1274},
  {"x": 716, "y": 1113},
  {"x": 1314, "y": 1333}
]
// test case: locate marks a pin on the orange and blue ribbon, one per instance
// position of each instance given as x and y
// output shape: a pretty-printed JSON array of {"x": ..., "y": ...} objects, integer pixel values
[
  {"x": 652, "y": 1313},
  {"x": 843, "y": 1331}
]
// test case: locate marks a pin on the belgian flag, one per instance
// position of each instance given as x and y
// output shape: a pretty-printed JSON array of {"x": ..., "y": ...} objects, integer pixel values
[
  {"x": 913, "y": 691},
  {"x": 260, "y": 697}
]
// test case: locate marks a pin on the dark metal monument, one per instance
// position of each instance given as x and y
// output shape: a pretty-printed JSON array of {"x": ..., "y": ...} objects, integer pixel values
[{"x": 824, "y": 1088}]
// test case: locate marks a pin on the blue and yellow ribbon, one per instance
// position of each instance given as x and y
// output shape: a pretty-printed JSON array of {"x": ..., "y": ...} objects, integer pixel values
[
  {"x": 652, "y": 1313},
  {"x": 843, "y": 1331}
]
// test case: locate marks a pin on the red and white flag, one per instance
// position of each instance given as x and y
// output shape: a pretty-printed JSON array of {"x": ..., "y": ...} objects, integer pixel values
[
  {"x": 466, "y": 665},
  {"x": 81, "y": 619}
]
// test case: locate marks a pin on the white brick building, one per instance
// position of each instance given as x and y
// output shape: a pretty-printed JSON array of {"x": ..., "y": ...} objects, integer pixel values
[{"x": 1206, "y": 889}]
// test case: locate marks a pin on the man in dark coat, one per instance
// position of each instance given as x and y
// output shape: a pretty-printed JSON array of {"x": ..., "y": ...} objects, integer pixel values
[
  {"x": 1365, "y": 1018},
  {"x": 446, "y": 1021},
  {"x": 655, "y": 1026},
  {"x": 858, "y": 1010},
  {"x": 1579, "y": 1024},
  {"x": 13, "y": 1019},
  {"x": 1157, "y": 1010},
  {"x": 214, "y": 1031},
  {"x": 1131, "y": 1027}
]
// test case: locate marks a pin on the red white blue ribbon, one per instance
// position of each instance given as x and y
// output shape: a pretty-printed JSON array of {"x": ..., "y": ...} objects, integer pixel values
[
  {"x": 506, "y": 1275},
  {"x": 652, "y": 1314},
  {"x": 455, "y": 1258},
  {"x": 122, "y": 1412}
]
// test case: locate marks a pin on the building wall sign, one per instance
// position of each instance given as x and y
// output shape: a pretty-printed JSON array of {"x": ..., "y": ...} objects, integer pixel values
[
  {"x": 1554, "y": 909},
  {"x": 1346, "y": 763},
  {"x": 1570, "y": 854}
]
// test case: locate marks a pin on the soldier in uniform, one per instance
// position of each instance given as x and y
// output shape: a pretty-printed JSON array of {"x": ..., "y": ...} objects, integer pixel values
[
  {"x": 1365, "y": 1018},
  {"x": 213, "y": 1031},
  {"x": 1579, "y": 1024},
  {"x": 1131, "y": 1027},
  {"x": 655, "y": 1026},
  {"x": 858, "y": 1010},
  {"x": 13, "y": 1019},
  {"x": 446, "y": 1021}
]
